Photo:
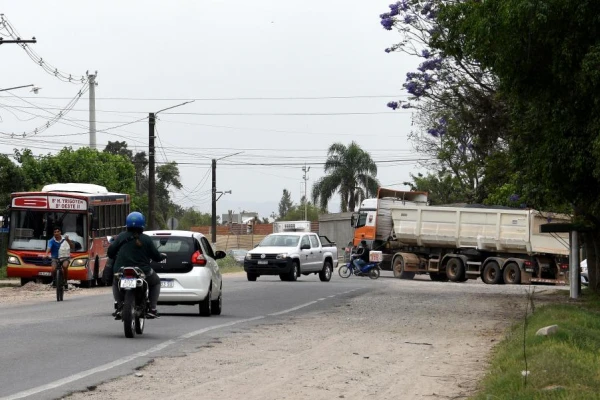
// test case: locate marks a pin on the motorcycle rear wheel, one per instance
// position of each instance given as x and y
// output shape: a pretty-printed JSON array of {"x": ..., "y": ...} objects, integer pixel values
[
  {"x": 374, "y": 273},
  {"x": 129, "y": 318},
  {"x": 344, "y": 271}
]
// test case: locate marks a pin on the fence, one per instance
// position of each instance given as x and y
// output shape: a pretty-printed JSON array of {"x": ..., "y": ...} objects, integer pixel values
[{"x": 228, "y": 242}]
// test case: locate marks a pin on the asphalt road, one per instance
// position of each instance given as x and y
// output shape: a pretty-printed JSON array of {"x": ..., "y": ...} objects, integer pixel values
[{"x": 51, "y": 349}]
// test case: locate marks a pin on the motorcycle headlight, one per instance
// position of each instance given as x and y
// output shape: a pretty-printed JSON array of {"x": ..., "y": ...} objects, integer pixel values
[
  {"x": 79, "y": 262},
  {"x": 281, "y": 256},
  {"x": 13, "y": 260}
]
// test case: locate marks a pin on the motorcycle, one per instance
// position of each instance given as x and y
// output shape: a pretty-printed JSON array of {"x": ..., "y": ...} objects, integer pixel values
[
  {"x": 371, "y": 270},
  {"x": 134, "y": 290}
]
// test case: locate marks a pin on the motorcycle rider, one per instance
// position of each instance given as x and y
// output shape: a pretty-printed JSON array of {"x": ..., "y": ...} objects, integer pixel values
[
  {"x": 133, "y": 248},
  {"x": 361, "y": 258}
]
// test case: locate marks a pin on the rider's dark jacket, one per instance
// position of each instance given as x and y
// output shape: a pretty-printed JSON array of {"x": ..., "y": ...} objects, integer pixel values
[
  {"x": 363, "y": 253},
  {"x": 126, "y": 252}
]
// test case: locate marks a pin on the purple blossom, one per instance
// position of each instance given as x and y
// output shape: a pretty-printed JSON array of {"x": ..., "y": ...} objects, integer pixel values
[
  {"x": 425, "y": 53},
  {"x": 414, "y": 88},
  {"x": 387, "y": 23},
  {"x": 443, "y": 121},
  {"x": 433, "y": 132},
  {"x": 409, "y": 19},
  {"x": 388, "y": 50},
  {"x": 394, "y": 7},
  {"x": 432, "y": 64},
  {"x": 406, "y": 106},
  {"x": 393, "y": 105},
  {"x": 514, "y": 197},
  {"x": 384, "y": 15},
  {"x": 394, "y": 12}
]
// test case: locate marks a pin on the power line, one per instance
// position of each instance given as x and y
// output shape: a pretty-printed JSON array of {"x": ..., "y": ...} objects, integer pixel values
[
  {"x": 236, "y": 98},
  {"x": 63, "y": 76}
]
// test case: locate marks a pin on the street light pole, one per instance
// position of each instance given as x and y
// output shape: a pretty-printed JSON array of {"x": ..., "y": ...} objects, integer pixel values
[
  {"x": 213, "y": 221},
  {"x": 152, "y": 163}
]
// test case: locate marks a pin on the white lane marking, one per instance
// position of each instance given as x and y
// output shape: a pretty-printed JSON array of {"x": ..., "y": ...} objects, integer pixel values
[{"x": 158, "y": 347}]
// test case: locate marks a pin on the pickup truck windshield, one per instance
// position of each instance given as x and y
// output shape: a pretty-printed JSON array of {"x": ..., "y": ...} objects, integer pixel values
[{"x": 280, "y": 241}]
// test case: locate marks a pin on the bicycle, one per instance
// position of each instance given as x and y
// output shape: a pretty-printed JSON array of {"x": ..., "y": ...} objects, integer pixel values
[{"x": 59, "y": 277}]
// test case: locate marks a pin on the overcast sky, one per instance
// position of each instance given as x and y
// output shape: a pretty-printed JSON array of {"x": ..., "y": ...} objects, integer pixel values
[{"x": 159, "y": 53}]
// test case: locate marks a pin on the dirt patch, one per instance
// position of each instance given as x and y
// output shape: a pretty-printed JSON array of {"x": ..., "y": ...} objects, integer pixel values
[
  {"x": 404, "y": 340},
  {"x": 32, "y": 292}
]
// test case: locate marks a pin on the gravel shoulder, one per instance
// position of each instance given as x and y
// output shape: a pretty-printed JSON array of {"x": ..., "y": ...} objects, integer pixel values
[{"x": 402, "y": 340}]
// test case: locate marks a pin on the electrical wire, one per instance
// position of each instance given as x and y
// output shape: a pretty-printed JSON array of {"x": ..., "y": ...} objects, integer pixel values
[
  {"x": 237, "y": 98},
  {"x": 63, "y": 76}
]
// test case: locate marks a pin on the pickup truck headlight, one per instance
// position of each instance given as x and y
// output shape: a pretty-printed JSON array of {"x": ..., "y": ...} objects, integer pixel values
[
  {"x": 79, "y": 262},
  {"x": 13, "y": 260},
  {"x": 281, "y": 256},
  {"x": 248, "y": 256}
]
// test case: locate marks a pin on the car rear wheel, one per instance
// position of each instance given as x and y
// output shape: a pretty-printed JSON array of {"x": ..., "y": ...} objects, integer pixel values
[
  {"x": 217, "y": 305},
  {"x": 205, "y": 307}
]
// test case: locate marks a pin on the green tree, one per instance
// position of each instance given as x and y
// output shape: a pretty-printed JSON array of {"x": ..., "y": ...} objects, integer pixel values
[
  {"x": 545, "y": 56},
  {"x": 285, "y": 204},
  {"x": 350, "y": 171},
  {"x": 11, "y": 180},
  {"x": 189, "y": 218},
  {"x": 442, "y": 188},
  {"x": 296, "y": 213},
  {"x": 83, "y": 165}
]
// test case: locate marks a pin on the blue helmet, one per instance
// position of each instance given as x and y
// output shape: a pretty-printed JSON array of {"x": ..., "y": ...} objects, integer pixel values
[{"x": 135, "y": 220}]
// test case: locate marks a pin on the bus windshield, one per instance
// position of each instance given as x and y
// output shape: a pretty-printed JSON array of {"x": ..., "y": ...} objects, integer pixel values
[{"x": 31, "y": 230}]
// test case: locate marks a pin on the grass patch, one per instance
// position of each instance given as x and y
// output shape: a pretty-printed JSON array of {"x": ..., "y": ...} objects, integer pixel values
[
  {"x": 3, "y": 272},
  {"x": 563, "y": 366},
  {"x": 228, "y": 265}
]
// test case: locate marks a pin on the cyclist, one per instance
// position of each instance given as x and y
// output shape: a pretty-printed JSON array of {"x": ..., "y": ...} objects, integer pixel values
[
  {"x": 133, "y": 248},
  {"x": 361, "y": 258},
  {"x": 59, "y": 248}
]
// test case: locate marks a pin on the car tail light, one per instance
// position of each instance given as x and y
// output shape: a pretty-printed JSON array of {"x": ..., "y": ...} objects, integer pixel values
[
  {"x": 563, "y": 266},
  {"x": 129, "y": 273},
  {"x": 527, "y": 263},
  {"x": 198, "y": 258}
]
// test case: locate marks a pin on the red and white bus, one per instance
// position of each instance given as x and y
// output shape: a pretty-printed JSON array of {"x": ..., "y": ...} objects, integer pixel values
[{"x": 88, "y": 214}]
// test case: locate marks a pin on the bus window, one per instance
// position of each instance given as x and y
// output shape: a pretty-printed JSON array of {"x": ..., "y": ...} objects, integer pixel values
[{"x": 362, "y": 219}]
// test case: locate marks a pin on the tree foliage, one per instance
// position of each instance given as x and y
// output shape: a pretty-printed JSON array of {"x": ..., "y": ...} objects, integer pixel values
[
  {"x": 350, "y": 171},
  {"x": 544, "y": 57},
  {"x": 11, "y": 180},
  {"x": 285, "y": 204}
]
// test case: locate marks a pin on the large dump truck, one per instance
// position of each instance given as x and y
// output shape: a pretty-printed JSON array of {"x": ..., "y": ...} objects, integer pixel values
[{"x": 498, "y": 245}]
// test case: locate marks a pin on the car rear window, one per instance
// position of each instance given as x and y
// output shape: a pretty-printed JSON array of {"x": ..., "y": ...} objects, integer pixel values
[{"x": 179, "y": 252}]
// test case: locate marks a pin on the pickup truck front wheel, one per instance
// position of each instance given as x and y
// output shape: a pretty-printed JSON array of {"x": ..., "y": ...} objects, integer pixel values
[
  {"x": 325, "y": 273},
  {"x": 295, "y": 272}
]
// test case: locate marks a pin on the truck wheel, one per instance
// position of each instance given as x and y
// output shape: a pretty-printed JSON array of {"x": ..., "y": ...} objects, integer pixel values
[
  {"x": 512, "y": 274},
  {"x": 251, "y": 277},
  {"x": 492, "y": 274},
  {"x": 399, "y": 270},
  {"x": 295, "y": 272},
  {"x": 325, "y": 273},
  {"x": 455, "y": 270}
]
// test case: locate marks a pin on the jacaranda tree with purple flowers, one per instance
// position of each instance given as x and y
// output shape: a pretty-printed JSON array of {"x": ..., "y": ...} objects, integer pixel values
[{"x": 460, "y": 121}]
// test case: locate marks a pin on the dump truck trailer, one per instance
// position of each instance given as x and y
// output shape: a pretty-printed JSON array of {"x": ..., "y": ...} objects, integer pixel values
[{"x": 496, "y": 244}]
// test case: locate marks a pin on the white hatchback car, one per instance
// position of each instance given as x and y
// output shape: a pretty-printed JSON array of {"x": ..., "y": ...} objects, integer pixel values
[{"x": 190, "y": 273}]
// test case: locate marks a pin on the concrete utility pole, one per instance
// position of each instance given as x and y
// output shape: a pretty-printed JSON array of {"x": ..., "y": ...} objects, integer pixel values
[
  {"x": 305, "y": 177},
  {"x": 152, "y": 164},
  {"x": 92, "y": 94},
  {"x": 151, "y": 174},
  {"x": 213, "y": 227}
]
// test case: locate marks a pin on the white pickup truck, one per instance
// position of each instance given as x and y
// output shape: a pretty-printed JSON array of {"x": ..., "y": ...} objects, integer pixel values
[{"x": 291, "y": 254}]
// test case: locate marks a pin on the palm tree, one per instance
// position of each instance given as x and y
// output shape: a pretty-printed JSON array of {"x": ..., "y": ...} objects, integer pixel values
[{"x": 350, "y": 171}]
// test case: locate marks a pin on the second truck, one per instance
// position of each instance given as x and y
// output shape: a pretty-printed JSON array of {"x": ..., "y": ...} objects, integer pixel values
[{"x": 496, "y": 244}]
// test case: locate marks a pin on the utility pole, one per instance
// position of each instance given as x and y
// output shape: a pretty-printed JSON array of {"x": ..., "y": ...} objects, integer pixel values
[
  {"x": 305, "y": 177},
  {"x": 151, "y": 164},
  {"x": 151, "y": 177},
  {"x": 92, "y": 95},
  {"x": 214, "y": 203}
]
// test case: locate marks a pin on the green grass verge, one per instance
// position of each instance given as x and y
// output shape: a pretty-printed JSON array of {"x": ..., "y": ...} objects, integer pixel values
[
  {"x": 228, "y": 265},
  {"x": 563, "y": 366},
  {"x": 3, "y": 272}
]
